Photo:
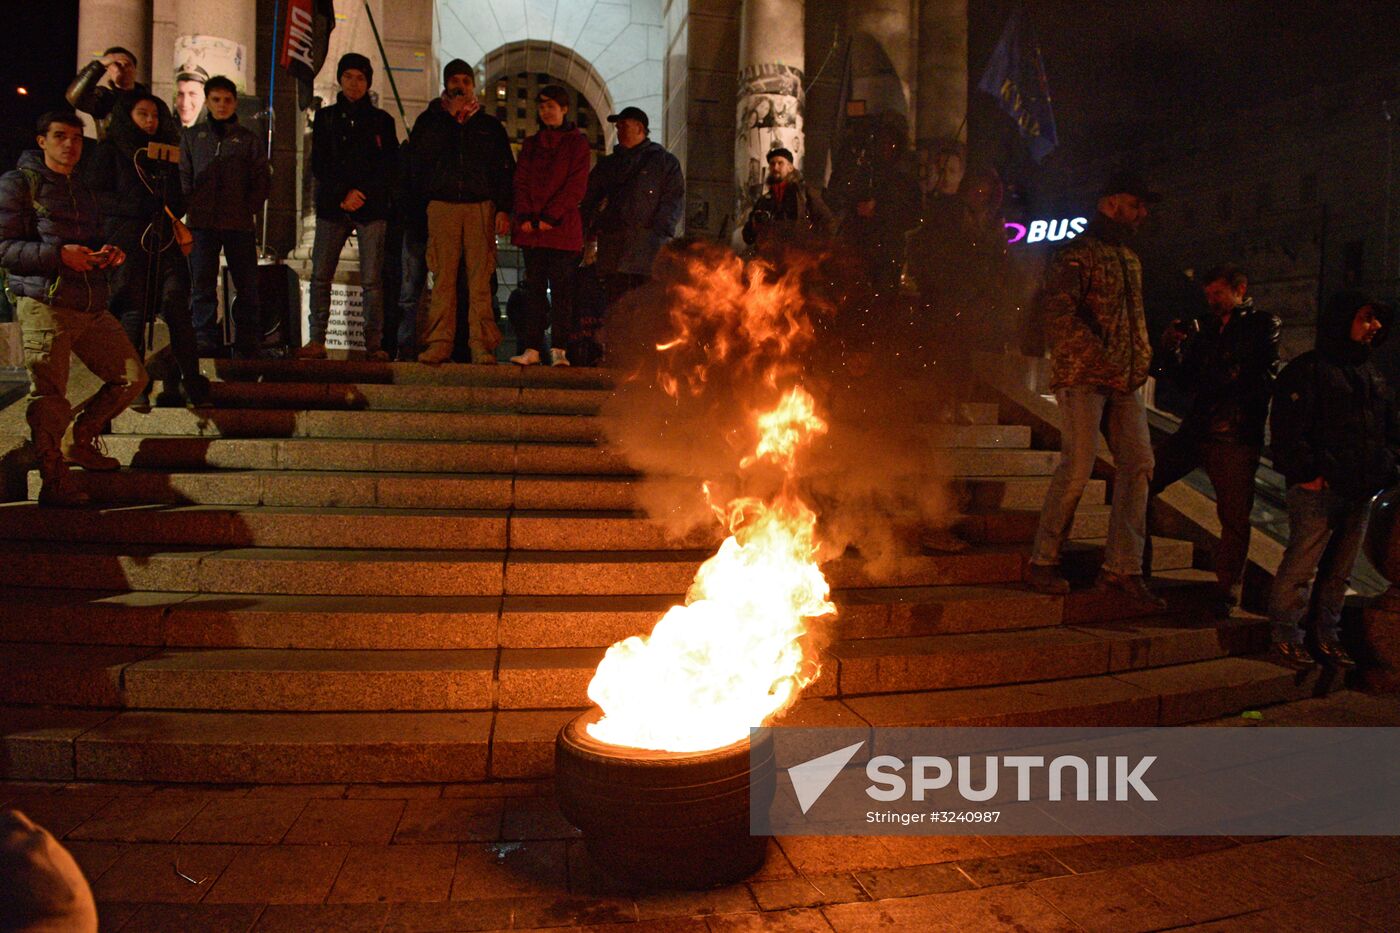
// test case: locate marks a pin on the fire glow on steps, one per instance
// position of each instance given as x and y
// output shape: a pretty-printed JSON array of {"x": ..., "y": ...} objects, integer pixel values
[{"x": 738, "y": 652}]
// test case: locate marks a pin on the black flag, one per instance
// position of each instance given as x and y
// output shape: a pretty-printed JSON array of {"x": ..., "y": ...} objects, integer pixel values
[{"x": 306, "y": 35}]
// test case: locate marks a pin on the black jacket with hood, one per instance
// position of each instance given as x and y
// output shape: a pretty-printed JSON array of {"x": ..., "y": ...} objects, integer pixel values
[
  {"x": 461, "y": 163},
  {"x": 1334, "y": 416},
  {"x": 41, "y": 212}
]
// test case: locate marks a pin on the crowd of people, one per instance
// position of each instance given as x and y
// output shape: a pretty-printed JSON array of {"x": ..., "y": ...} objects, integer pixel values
[
  {"x": 1333, "y": 425},
  {"x": 136, "y": 228}
]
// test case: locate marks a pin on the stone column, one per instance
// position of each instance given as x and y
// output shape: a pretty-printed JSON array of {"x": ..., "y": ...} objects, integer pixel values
[
  {"x": 105, "y": 23},
  {"x": 770, "y": 98},
  {"x": 942, "y": 89},
  {"x": 882, "y": 61},
  {"x": 219, "y": 36}
]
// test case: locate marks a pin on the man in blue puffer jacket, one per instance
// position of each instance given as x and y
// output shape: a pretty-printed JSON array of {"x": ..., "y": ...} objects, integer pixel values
[{"x": 51, "y": 250}]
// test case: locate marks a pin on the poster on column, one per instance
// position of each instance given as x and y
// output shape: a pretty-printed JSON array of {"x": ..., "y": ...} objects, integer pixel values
[
  {"x": 345, "y": 329},
  {"x": 770, "y": 117},
  {"x": 212, "y": 55}
]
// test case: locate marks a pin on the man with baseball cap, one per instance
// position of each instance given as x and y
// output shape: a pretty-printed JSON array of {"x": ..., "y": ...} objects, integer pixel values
[
  {"x": 634, "y": 201},
  {"x": 1092, "y": 310},
  {"x": 354, "y": 151}
]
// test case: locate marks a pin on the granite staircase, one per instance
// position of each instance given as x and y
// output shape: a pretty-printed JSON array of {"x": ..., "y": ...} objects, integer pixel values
[{"x": 346, "y": 571}]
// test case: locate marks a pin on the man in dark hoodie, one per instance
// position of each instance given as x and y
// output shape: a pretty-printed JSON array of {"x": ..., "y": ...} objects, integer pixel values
[
  {"x": 1334, "y": 439},
  {"x": 140, "y": 197},
  {"x": 462, "y": 167},
  {"x": 634, "y": 201},
  {"x": 50, "y": 231},
  {"x": 1228, "y": 360},
  {"x": 354, "y": 151},
  {"x": 224, "y": 177},
  {"x": 1091, "y": 307}
]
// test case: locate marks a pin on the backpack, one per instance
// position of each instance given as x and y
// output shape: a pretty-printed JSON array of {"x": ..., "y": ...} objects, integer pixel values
[{"x": 39, "y": 211}]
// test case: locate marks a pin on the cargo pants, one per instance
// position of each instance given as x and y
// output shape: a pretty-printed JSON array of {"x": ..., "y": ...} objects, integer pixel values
[
  {"x": 456, "y": 231},
  {"x": 50, "y": 334}
]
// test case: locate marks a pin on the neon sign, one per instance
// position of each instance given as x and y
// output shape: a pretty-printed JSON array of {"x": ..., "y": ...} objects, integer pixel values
[{"x": 1051, "y": 231}]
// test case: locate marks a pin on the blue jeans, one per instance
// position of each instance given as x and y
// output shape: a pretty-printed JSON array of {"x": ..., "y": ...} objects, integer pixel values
[
  {"x": 1325, "y": 533},
  {"x": 241, "y": 250},
  {"x": 1082, "y": 409},
  {"x": 331, "y": 234},
  {"x": 414, "y": 262}
]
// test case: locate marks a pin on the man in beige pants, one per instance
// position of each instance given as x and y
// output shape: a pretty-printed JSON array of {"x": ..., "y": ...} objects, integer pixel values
[
  {"x": 461, "y": 165},
  {"x": 50, "y": 230}
]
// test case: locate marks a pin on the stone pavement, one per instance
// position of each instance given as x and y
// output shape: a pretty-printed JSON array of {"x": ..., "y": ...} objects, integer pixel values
[{"x": 473, "y": 857}]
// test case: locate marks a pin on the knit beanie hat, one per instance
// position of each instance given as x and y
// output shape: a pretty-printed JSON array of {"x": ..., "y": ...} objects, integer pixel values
[
  {"x": 457, "y": 67},
  {"x": 358, "y": 62},
  {"x": 42, "y": 890}
]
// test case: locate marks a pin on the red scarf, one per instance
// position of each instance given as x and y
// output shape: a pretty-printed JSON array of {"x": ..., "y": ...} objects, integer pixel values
[{"x": 469, "y": 111}]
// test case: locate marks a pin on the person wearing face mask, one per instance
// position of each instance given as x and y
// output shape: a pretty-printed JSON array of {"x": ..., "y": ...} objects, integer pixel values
[
  {"x": 1092, "y": 310},
  {"x": 550, "y": 180},
  {"x": 224, "y": 177},
  {"x": 354, "y": 153},
  {"x": 140, "y": 197},
  {"x": 1334, "y": 438}
]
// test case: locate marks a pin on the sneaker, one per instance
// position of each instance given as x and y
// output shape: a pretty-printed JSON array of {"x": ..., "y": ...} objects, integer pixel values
[
  {"x": 1291, "y": 654},
  {"x": 528, "y": 358},
  {"x": 1132, "y": 586},
  {"x": 1045, "y": 578},
  {"x": 559, "y": 357},
  {"x": 377, "y": 356},
  {"x": 1331, "y": 652},
  {"x": 312, "y": 351},
  {"x": 90, "y": 456}
]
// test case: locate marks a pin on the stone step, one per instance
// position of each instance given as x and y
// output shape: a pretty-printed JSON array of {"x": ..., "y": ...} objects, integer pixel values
[
  {"x": 1018, "y": 526},
  {"x": 1081, "y": 560},
  {"x": 304, "y": 454},
  {"x": 272, "y": 680},
  {"x": 253, "y": 570},
  {"x": 1164, "y": 696},
  {"x": 449, "y": 374},
  {"x": 220, "y": 620},
  {"x": 1019, "y": 492},
  {"x": 434, "y": 747},
  {"x": 351, "y": 572},
  {"x": 369, "y": 396},
  {"x": 358, "y": 425}
]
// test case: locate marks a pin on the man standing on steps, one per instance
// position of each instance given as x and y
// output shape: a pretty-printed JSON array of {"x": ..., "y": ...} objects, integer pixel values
[
  {"x": 354, "y": 151},
  {"x": 1091, "y": 307},
  {"x": 463, "y": 168},
  {"x": 1229, "y": 360},
  {"x": 634, "y": 201},
  {"x": 224, "y": 175},
  {"x": 51, "y": 250}
]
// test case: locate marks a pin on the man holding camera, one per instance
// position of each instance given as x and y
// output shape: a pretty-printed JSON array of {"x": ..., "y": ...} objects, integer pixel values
[
  {"x": 790, "y": 209},
  {"x": 1229, "y": 360},
  {"x": 50, "y": 231}
]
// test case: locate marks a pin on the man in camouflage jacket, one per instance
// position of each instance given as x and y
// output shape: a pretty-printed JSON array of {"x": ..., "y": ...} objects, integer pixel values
[{"x": 1092, "y": 311}]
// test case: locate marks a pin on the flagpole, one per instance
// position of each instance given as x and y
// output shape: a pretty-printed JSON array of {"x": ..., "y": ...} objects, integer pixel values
[
  {"x": 388, "y": 68},
  {"x": 271, "y": 110}
]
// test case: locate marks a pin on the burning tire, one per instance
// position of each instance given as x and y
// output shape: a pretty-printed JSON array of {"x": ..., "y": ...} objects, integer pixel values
[{"x": 664, "y": 819}]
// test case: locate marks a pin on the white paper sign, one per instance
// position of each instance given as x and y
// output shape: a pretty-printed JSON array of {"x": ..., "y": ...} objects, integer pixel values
[{"x": 345, "y": 329}]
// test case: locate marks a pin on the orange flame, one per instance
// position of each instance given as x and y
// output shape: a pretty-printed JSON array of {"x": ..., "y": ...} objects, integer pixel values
[{"x": 737, "y": 653}]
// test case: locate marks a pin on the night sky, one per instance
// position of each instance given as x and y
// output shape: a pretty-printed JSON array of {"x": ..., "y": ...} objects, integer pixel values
[{"x": 1118, "y": 69}]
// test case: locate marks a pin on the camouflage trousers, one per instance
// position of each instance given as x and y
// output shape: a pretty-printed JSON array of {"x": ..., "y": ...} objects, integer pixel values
[{"x": 96, "y": 338}]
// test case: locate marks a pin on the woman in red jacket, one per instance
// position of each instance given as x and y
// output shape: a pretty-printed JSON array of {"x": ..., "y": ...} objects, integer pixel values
[{"x": 551, "y": 178}]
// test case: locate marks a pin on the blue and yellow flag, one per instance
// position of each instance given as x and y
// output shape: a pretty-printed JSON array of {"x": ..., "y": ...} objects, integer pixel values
[{"x": 1015, "y": 76}]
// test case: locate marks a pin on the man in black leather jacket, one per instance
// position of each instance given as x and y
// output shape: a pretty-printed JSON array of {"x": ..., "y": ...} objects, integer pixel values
[{"x": 1229, "y": 360}]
